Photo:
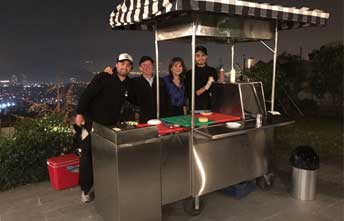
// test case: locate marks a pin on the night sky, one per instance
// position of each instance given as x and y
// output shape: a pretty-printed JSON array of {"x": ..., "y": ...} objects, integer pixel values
[{"x": 53, "y": 40}]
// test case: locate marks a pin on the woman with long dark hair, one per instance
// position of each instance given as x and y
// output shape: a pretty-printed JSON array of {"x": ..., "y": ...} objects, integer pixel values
[{"x": 175, "y": 87}]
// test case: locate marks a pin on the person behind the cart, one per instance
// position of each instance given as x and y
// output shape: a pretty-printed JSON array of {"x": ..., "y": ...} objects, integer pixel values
[
  {"x": 101, "y": 102},
  {"x": 175, "y": 87},
  {"x": 204, "y": 77},
  {"x": 146, "y": 94}
]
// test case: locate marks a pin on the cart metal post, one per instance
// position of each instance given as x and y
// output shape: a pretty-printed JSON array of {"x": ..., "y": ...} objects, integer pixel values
[
  {"x": 157, "y": 73},
  {"x": 274, "y": 69},
  {"x": 232, "y": 56},
  {"x": 191, "y": 143}
]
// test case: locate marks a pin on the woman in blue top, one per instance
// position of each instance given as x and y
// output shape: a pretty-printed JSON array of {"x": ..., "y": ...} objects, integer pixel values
[{"x": 175, "y": 87}]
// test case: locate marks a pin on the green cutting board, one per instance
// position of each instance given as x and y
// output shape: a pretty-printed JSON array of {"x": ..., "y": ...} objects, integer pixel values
[{"x": 184, "y": 121}]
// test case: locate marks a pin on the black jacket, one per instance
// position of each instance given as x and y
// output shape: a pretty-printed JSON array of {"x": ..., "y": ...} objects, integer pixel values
[
  {"x": 145, "y": 98},
  {"x": 103, "y": 98},
  {"x": 202, "y": 102}
]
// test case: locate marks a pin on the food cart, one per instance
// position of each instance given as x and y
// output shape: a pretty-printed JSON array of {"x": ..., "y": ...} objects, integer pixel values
[{"x": 139, "y": 169}]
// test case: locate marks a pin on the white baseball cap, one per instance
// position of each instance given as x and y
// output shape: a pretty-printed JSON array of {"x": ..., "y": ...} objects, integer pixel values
[{"x": 125, "y": 57}]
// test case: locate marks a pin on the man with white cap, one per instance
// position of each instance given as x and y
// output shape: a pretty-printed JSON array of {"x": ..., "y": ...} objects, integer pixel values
[{"x": 101, "y": 102}]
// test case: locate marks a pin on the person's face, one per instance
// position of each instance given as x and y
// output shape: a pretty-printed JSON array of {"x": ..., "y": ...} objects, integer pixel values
[
  {"x": 200, "y": 58},
  {"x": 123, "y": 68},
  {"x": 177, "y": 68},
  {"x": 146, "y": 68}
]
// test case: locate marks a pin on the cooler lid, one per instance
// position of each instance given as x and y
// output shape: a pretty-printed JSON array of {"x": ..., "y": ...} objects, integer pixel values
[{"x": 63, "y": 159}]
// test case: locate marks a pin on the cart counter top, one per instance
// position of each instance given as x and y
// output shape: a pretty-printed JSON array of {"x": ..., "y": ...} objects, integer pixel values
[
  {"x": 222, "y": 130},
  {"x": 183, "y": 122}
]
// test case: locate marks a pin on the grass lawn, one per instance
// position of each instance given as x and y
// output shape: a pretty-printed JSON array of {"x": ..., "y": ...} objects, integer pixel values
[{"x": 325, "y": 135}]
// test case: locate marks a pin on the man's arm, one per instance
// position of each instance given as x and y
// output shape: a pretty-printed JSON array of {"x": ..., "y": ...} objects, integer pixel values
[
  {"x": 213, "y": 77},
  {"x": 205, "y": 87},
  {"x": 188, "y": 84},
  {"x": 87, "y": 96},
  {"x": 201, "y": 91}
]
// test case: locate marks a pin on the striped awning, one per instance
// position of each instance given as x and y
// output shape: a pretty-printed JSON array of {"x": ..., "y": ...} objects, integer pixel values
[{"x": 136, "y": 14}]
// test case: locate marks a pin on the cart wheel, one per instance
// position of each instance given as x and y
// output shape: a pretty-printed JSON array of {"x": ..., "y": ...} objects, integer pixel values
[
  {"x": 265, "y": 182},
  {"x": 189, "y": 206}
]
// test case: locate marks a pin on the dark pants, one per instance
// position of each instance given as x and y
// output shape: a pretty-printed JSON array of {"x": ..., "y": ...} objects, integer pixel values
[{"x": 86, "y": 167}]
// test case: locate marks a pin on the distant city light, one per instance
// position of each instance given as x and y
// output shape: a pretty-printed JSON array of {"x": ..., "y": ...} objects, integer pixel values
[
  {"x": 14, "y": 96},
  {"x": 6, "y": 105}
]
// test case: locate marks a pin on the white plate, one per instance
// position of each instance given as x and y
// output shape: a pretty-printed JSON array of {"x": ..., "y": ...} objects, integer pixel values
[
  {"x": 233, "y": 125},
  {"x": 154, "y": 122},
  {"x": 206, "y": 113}
]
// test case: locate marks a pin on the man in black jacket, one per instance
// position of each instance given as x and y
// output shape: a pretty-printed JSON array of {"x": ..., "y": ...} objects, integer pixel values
[
  {"x": 101, "y": 102},
  {"x": 204, "y": 77},
  {"x": 145, "y": 91}
]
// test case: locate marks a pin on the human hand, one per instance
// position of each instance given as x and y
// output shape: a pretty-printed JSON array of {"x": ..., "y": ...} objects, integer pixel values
[
  {"x": 79, "y": 120},
  {"x": 108, "y": 70}
]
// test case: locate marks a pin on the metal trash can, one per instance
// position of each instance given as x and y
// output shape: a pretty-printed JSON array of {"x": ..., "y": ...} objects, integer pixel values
[{"x": 305, "y": 164}]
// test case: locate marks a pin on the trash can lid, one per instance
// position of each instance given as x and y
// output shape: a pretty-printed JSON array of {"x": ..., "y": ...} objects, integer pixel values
[{"x": 304, "y": 157}]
